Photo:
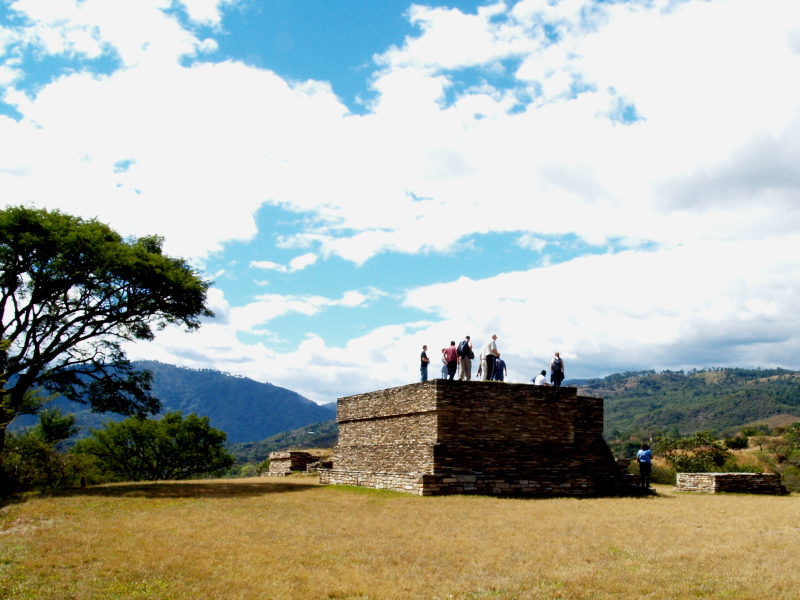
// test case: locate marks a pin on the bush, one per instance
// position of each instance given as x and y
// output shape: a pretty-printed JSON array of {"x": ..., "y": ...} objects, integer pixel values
[
  {"x": 737, "y": 442},
  {"x": 247, "y": 471},
  {"x": 172, "y": 447},
  {"x": 32, "y": 463},
  {"x": 32, "y": 460},
  {"x": 699, "y": 453}
]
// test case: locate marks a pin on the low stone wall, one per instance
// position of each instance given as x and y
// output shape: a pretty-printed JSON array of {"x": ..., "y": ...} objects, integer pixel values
[
  {"x": 743, "y": 483},
  {"x": 282, "y": 464}
]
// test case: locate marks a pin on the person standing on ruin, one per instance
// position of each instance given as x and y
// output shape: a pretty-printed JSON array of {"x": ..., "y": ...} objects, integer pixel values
[
  {"x": 490, "y": 354},
  {"x": 423, "y": 364},
  {"x": 645, "y": 459},
  {"x": 451, "y": 357},
  {"x": 465, "y": 356},
  {"x": 557, "y": 370},
  {"x": 500, "y": 370}
]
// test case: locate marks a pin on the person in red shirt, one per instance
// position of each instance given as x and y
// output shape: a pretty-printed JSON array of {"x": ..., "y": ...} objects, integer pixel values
[{"x": 451, "y": 356}]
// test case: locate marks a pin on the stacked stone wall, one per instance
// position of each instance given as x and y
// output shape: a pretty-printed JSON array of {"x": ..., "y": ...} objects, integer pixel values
[
  {"x": 474, "y": 437},
  {"x": 282, "y": 464},
  {"x": 748, "y": 483}
]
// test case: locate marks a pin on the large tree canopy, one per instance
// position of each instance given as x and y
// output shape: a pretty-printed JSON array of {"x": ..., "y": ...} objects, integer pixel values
[
  {"x": 172, "y": 447},
  {"x": 71, "y": 291}
]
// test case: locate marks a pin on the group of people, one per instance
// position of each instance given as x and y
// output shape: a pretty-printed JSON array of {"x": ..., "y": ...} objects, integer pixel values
[
  {"x": 556, "y": 373},
  {"x": 457, "y": 360}
]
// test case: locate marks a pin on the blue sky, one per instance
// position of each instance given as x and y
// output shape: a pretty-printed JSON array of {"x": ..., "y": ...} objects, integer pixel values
[{"x": 613, "y": 180}]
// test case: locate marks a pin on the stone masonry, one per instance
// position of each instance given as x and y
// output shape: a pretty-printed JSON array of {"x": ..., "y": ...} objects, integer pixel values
[
  {"x": 748, "y": 483},
  {"x": 456, "y": 437},
  {"x": 283, "y": 463}
]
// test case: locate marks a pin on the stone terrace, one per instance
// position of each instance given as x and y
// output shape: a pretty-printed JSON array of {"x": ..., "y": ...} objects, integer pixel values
[
  {"x": 748, "y": 483},
  {"x": 445, "y": 437}
]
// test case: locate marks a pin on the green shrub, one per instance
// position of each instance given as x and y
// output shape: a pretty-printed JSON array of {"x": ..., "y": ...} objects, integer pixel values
[
  {"x": 699, "y": 453},
  {"x": 732, "y": 466},
  {"x": 32, "y": 459},
  {"x": 32, "y": 463},
  {"x": 737, "y": 442},
  {"x": 248, "y": 471}
]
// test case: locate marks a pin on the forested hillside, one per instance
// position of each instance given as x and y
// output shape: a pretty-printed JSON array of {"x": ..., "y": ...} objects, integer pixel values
[
  {"x": 698, "y": 400},
  {"x": 244, "y": 409},
  {"x": 317, "y": 435}
]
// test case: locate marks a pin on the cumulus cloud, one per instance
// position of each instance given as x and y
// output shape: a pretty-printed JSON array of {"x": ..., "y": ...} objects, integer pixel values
[
  {"x": 296, "y": 264},
  {"x": 669, "y": 127}
]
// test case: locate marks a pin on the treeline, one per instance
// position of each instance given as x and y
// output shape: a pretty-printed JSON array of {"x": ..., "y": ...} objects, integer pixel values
[
  {"x": 646, "y": 404},
  {"x": 135, "y": 449}
]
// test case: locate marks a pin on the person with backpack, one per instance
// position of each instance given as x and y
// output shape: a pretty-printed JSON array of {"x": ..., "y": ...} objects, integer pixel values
[
  {"x": 557, "y": 371},
  {"x": 465, "y": 356}
]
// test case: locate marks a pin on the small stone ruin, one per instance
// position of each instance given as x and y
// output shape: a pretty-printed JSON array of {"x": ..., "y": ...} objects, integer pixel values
[
  {"x": 282, "y": 464},
  {"x": 743, "y": 483}
]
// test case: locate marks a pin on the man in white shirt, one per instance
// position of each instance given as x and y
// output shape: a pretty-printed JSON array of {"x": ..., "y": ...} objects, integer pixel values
[{"x": 541, "y": 379}]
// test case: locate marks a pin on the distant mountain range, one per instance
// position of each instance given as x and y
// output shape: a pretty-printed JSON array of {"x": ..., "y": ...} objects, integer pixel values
[
  {"x": 261, "y": 417},
  {"x": 244, "y": 409},
  {"x": 719, "y": 400}
]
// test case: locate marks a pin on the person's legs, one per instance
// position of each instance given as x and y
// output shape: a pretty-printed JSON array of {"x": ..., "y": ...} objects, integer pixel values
[
  {"x": 423, "y": 373},
  {"x": 465, "y": 364},
  {"x": 489, "y": 375},
  {"x": 644, "y": 473},
  {"x": 451, "y": 369}
]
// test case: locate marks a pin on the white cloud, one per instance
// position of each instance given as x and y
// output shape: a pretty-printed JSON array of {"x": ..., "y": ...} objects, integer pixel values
[
  {"x": 706, "y": 304},
  {"x": 531, "y": 142},
  {"x": 296, "y": 264}
]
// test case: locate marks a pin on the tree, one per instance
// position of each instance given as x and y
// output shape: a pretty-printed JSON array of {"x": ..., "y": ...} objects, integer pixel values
[
  {"x": 699, "y": 453},
  {"x": 71, "y": 291},
  {"x": 32, "y": 459},
  {"x": 139, "y": 449}
]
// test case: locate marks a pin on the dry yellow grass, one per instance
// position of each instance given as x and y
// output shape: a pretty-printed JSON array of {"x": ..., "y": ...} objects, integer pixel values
[{"x": 293, "y": 539}]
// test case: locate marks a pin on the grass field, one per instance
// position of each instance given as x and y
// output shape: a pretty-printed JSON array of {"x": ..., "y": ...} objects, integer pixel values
[{"x": 293, "y": 539}]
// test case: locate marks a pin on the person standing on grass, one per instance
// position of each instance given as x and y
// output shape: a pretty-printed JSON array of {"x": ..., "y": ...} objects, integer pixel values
[
  {"x": 423, "y": 364},
  {"x": 645, "y": 459}
]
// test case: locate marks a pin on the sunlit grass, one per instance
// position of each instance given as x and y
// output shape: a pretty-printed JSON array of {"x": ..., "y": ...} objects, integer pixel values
[{"x": 291, "y": 538}]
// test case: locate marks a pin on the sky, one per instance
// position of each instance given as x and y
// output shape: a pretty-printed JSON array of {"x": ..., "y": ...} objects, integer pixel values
[{"x": 618, "y": 181}]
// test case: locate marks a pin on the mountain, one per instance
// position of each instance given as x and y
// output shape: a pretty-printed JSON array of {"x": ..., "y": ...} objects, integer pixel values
[
  {"x": 317, "y": 435},
  {"x": 698, "y": 400},
  {"x": 244, "y": 409}
]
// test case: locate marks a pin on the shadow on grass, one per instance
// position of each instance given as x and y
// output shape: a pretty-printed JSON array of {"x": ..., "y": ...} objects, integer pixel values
[{"x": 186, "y": 489}]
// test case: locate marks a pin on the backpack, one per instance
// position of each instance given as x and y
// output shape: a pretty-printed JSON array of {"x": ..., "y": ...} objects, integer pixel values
[
  {"x": 557, "y": 365},
  {"x": 463, "y": 349}
]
